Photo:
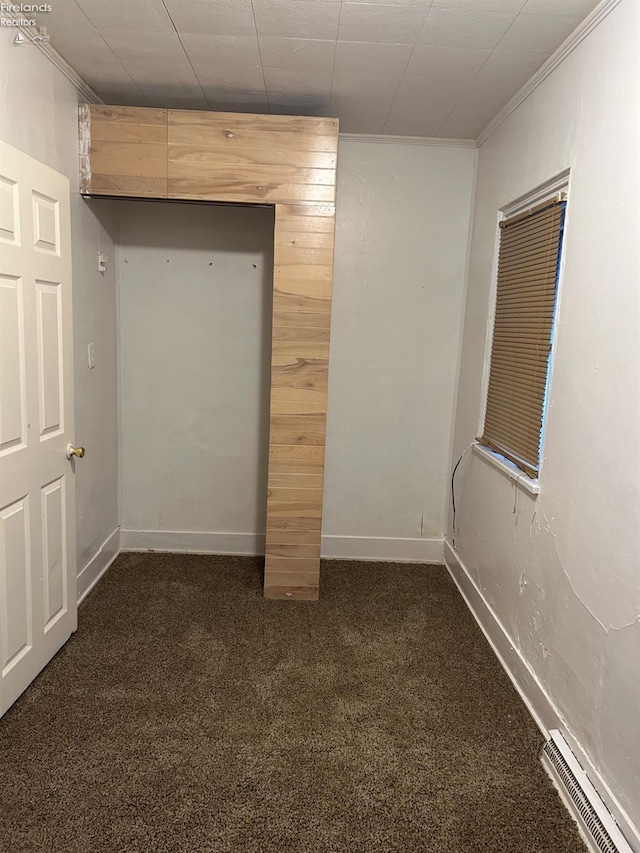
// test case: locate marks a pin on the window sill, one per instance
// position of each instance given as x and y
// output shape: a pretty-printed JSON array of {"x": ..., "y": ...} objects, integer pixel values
[{"x": 508, "y": 469}]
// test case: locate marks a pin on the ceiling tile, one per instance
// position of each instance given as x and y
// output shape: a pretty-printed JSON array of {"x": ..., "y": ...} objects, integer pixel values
[
  {"x": 175, "y": 97},
  {"x": 465, "y": 128},
  {"x": 147, "y": 74},
  {"x": 224, "y": 17},
  {"x": 365, "y": 108},
  {"x": 154, "y": 46},
  {"x": 303, "y": 106},
  {"x": 410, "y": 127},
  {"x": 465, "y": 28},
  {"x": 497, "y": 82},
  {"x": 226, "y": 100},
  {"x": 359, "y": 57},
  {"x": 82, "y": 45},
  {"x": 231, "y": 94},
  {"x": 426, "y": 101},
  {"x": 225, "y": 76},
  {"x": 420, "y": 95},
  {"x": 122, "y": 94},
  {"x": 448, "y": 62},
  {"x": 64, "y": 15},
  {"x": 284, "y": 85},
  {"x": 237, "y": 51},
  {"x": 306, "y": 19},
  {"x": 297, "y": 54},
  {"x": 144, "y": 15},
  {"x": 538, "y": 32},
  {"x": 515, "y": 67},
  {"x": 451, "y": 83},
  {"x": 354, "y": 123},
  {"x": 103, "y": 72},
  {"x": 511, "y": 7},
  {"x": 366, "y": 86},
  {"x": 378, "y": 23},
  {"x": 423, "y": 3},
  {"x": 579, "y": 8}
]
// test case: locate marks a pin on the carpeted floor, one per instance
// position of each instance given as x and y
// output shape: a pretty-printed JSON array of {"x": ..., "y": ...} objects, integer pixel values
[{"x": 190, "y": 714}]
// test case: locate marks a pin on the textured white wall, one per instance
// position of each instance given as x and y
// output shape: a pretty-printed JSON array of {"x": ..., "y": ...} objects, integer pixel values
[
  {"x": 39, "y": 115},
  {"x": 402, "y": 231},
  {"x": 195, "y": 354},
  {"x": 561, "y": 572}
]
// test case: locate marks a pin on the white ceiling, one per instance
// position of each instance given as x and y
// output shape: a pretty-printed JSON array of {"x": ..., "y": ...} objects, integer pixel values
[{"x": 408, "y": 67}]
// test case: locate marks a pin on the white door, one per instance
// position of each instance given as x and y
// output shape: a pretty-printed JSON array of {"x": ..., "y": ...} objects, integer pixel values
[{"x": 37, "y": 499}]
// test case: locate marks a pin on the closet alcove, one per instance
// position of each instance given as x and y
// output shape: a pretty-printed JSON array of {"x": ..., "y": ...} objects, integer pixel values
[{"x": 289, "y": 163}]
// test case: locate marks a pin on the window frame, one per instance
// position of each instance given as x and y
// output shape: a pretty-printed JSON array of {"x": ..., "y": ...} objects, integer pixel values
[{"x": 554, "y": 186}]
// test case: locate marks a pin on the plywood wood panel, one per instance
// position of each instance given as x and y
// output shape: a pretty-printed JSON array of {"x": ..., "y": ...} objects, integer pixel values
[
  {"x": 282, "y": 550},
  {"x": 292, "y": 537},
  {"x": 305, "y": 240},
  {"x": 300, "y": 586},
  {"x": 257, "y": 190},
  {"x": 245, "y": 130},
  {"x": 249, "y": 158},
  {"x": 308, "y": 320},
  {"x": 129, "y": 186},
  {"x": 105, "y": 131},
  {"x": 297, "y": 429},
  {"x": 289, "y": 161},
  {"x": 220, "y": 152},
  {"x": 217, "y": 173},
  {"x": 123, "y": 151},
  {"x": 299, "y": 376},
  {"x": 128, "y": 115},
  {"x": 283, "y": 333},
  {"x": 296, "y": 480},
  {"x": 260, "y": 122}
]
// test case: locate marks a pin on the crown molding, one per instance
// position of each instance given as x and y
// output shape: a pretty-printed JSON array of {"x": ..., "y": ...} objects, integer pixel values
[
  {"x": 566, "y": 48},
  {"x": 410, "y": 140},
  {"x": 63, "y": 67}
]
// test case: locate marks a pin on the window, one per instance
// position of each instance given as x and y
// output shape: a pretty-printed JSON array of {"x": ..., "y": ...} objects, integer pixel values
[{"x": 528, "y": 266}]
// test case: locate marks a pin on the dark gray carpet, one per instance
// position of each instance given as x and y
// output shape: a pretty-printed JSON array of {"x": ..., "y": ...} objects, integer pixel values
[{"x": 190, "y": 714}]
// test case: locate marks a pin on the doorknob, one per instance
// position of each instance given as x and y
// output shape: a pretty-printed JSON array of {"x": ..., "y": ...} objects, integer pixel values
[{"x": 75, "y": 451}]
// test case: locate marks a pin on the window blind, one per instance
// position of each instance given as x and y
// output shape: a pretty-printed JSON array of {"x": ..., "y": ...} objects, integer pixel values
[{"x": 528, "y": 261}]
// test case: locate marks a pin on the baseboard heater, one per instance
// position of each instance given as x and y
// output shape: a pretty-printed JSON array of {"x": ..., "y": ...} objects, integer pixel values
[{"x": 596, "y": 823}]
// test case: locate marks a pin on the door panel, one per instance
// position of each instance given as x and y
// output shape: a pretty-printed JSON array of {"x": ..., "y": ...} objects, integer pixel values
[
  {"x": 37, "y": 490},
  {"x": 53, "y": 551},
  {"x": 13, "y": 397},
  {"x": 49, "y": 322},
  {"x": 15, "y": 584}
]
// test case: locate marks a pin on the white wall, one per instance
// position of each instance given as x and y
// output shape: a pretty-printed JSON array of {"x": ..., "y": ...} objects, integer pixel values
[
  {"x": 195, "y": 313},
  {"x": 195, "y": 360},
  {"x": 402, "y": 231},
  {"x": 561, "y": 573},
  {"x": 39, "y": 115}
]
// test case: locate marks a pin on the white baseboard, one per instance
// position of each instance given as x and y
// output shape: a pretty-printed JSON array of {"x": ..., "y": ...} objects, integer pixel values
[
  {"x": 333, "y": 547},
  {"x": 98, "y": 564},
  {"x": 537, "y": 700},
  {"x": 394, "y": 550},
  {"x": 192, "y": 542}
]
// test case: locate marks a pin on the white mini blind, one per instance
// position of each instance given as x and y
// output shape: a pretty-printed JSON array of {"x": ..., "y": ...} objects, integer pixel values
[{"x": 528, "y": 262}]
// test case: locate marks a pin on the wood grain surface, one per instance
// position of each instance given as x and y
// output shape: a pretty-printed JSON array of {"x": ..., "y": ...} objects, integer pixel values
[{"x": 289, "y": 162}]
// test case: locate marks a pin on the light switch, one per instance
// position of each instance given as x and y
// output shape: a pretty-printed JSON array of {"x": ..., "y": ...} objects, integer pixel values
[
  {"x": 91, "y": 355},
  {"x": 103, "y": 260}
]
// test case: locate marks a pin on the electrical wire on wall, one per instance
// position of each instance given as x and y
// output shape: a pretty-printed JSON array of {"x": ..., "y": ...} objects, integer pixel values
[{"x": 453, "y": 491}]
